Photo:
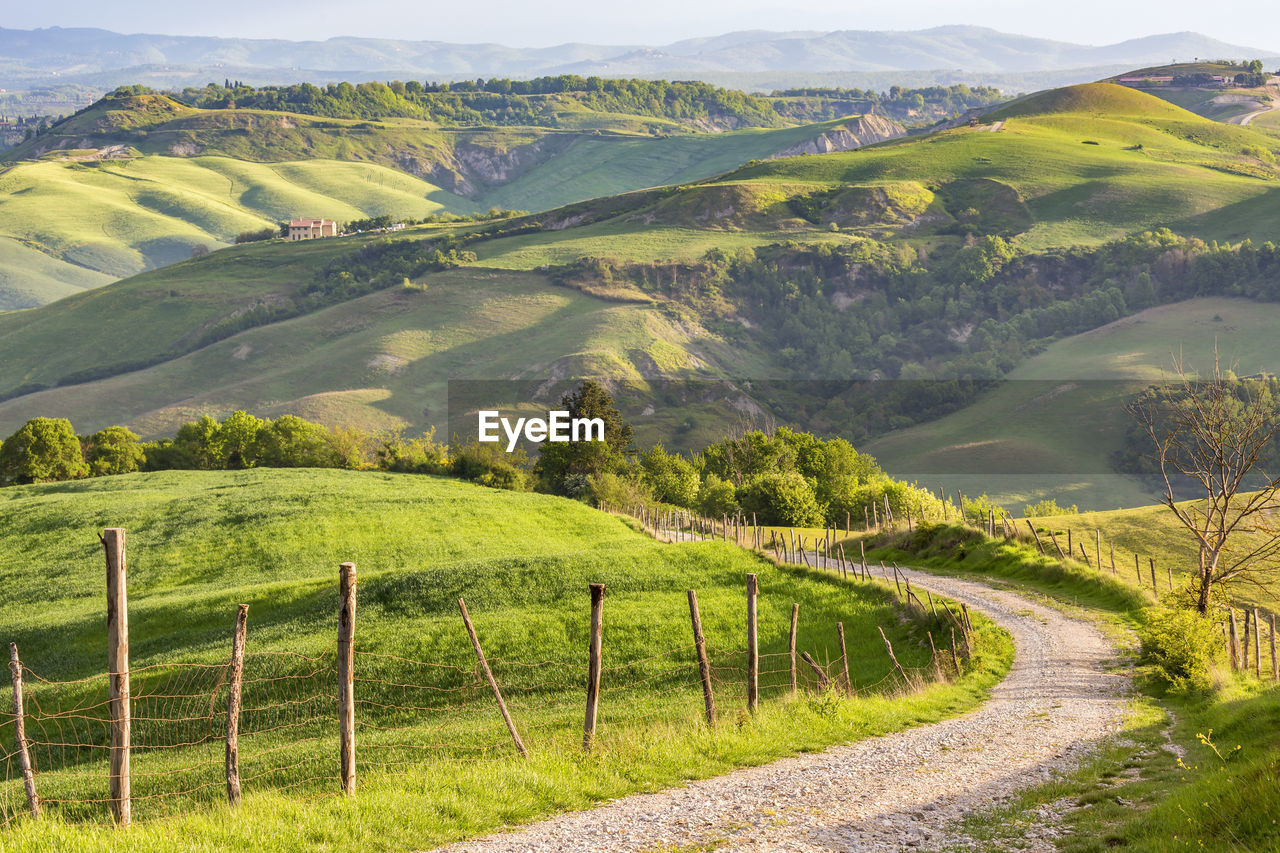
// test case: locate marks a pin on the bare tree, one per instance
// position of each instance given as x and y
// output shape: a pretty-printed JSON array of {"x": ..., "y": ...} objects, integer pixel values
[{"x": 1212, "y": 435}]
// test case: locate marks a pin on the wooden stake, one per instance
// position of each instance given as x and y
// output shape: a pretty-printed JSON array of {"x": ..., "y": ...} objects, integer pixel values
[
  {"x": 791, "y": 643},
  {"x": 235, "y": 686},
  {"x": 888, "y": 647},
  {"x": 1275, "y": 664},
  {"x": 1154, "y": 588},
  {"x": 1233, "y": 640},
  {"x": 704, "y": 666},
  {"x": 937, "y": 666},
  {"x": 347, "y": 676},
  {"x": 753, "y": 647},
  {"x": 1032, "y": 528},
  {"x": 594, "y": 665},
  {"x": 823, "y": 681},
  {"x": 1097, "y": 547},
  {"x": 1114, "y": 571},
  {"x": 1137, "y": 568},
  {"x": 844, "y": 658},
  {"x": 955, "y": 658},
  {"x": 1054, "y": 537},
  {"x": 1169, "y": 569},
  {"x": 113, "y": 542},
  {"x": 20, "y": 731},
  {"x": 493, "y": 682},
  {"x": 1257, "y": 645}
]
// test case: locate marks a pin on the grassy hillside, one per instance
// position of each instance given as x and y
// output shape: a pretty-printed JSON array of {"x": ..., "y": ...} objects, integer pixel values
[
  {"x": 1154, "y": 533},
  {"x": 384, "y": 360},
  {"x": 199, "y": 543},
  {"x": 1050, "y": 429},
  {"x": 134, "y": 183},
  {"x": 116, "y": 218},
  {"x": 1090, "y": 162}
]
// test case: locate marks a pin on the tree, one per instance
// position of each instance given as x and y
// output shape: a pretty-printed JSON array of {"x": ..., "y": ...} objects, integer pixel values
[
  {"x": 581, "y": 459},
  {"x": 782, "y": 498},
  {"x": 671, "y": 477},
  {"x": 114, "y": 450},
  {"x": 1213, "y": 436},
  {"x": 44, "y": 450}
]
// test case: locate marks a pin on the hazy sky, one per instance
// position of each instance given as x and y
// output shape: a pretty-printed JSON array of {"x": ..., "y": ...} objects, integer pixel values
[{"x": 547, "y": 22}]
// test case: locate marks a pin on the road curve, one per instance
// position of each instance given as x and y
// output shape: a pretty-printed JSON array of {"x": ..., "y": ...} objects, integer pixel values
[{"x": 902, "y": 791}]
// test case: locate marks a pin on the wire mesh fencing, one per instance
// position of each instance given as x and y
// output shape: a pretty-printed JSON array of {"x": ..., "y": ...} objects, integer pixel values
[{"x": 292, "y": 720}]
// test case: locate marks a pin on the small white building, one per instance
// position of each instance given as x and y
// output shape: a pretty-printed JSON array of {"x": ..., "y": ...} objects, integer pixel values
[{"x": 312, "y": 229}]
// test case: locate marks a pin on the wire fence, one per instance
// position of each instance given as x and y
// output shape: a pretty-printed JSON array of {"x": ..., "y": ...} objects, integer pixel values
[{"x": 407, "y": 717}]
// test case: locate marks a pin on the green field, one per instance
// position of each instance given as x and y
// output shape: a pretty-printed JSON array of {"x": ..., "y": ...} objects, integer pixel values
[
  {"x": 199, "y": 543},
  {"x": 1049, "y": 430}
]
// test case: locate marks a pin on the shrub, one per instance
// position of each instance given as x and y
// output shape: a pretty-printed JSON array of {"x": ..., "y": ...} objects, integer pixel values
[
  {"x": 114, "y": 450},
  {"x": 291, "y": 442},
  {"x": 412, "y": 455},
  {"x": 782, "y": 498},
  {"x": 1183, "y": 646},
  {"x": 44, "y": 450},
  {"x": 611, "y": 488},
  {"x": 1048, "y": 507},
  {"x": 489, "y": 465},
  {"x": 717, "y": 498}
]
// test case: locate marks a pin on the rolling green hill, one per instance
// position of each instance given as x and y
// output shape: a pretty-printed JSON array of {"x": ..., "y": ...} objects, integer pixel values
[
  {"x": 136, "y": 182},
  {"x": 1049, "y": 431},
  {"x": 649, "y": 306},
  {"x": 199, "y": 543}
]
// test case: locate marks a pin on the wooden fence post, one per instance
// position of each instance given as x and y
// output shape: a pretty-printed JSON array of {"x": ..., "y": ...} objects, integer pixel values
[
  {"x": 113, "y": 543},
  {"x": 493, "y": 682},
  {"x": 1137, "y": 568},
  {"x": 1257, "y": 645},
  {"x": 889, "y": 648},
  {"x": 937, "y": 665},
  {"x": 1275, "y": 664},
  {"x": 1233, "y": 639},
  {"x": 20, "y": 732},
  {"x": 1036, "y": 534},
  {"x": 594, "y": 666},
  {"x": 1114, "y": 570},
  {"x": 1097, "y": 547},
  {"x": 753, "y": 646},
  {"x": 704, "y": 666},
  {"x": 1154, "y": 588},
  {"x": 235, "y": 686},
  {"x": 955, "y": 656},
  {"x": 823, "y": 680},
  {"x": 1054, "y": 537},
  {"x": 1169, "y": 569},
  {"x": 791, "y": 645},
  {"x": 844, "y": 659},
  {"x": 346, "y": 676}
]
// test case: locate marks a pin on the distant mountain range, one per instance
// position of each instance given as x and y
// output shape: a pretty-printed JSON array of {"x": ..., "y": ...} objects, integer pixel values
[{"x": 102, "y": 58}]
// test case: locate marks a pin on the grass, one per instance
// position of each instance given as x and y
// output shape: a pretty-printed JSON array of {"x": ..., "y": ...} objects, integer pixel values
[
  {"x": 201, "y": 542},
  {"x": 1154, "y": 533},
  {"x": 118, "y": 218},
  {"x": 380, "y": 361},
  {"x": 1049, "y": 431},
  {"x": 244, "y": 170}
]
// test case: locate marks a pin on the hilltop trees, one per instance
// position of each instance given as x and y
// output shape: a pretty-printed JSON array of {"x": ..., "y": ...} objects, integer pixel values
[{"x": 42, "y": 451}]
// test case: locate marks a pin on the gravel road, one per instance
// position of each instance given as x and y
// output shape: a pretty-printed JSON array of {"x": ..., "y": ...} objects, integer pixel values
[{"x": 904, "y": 791}]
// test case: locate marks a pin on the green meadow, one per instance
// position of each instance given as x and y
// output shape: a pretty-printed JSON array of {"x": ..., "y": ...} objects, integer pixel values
[{"x": 1049, "y": 429}]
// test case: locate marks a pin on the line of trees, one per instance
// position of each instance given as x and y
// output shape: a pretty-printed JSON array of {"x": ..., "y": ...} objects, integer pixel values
[{"x": 783, "y": 476}]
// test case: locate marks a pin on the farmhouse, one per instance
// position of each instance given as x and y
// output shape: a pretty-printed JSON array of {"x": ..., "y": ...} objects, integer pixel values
[{"x": 311, "y": 229}]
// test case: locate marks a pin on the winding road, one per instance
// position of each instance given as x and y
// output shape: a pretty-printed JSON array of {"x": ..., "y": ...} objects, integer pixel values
[{"x": 903, "y": 791}]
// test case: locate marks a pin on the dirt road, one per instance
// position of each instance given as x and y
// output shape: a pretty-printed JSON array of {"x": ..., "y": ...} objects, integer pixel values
[{"x": 904, "y": 791}]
